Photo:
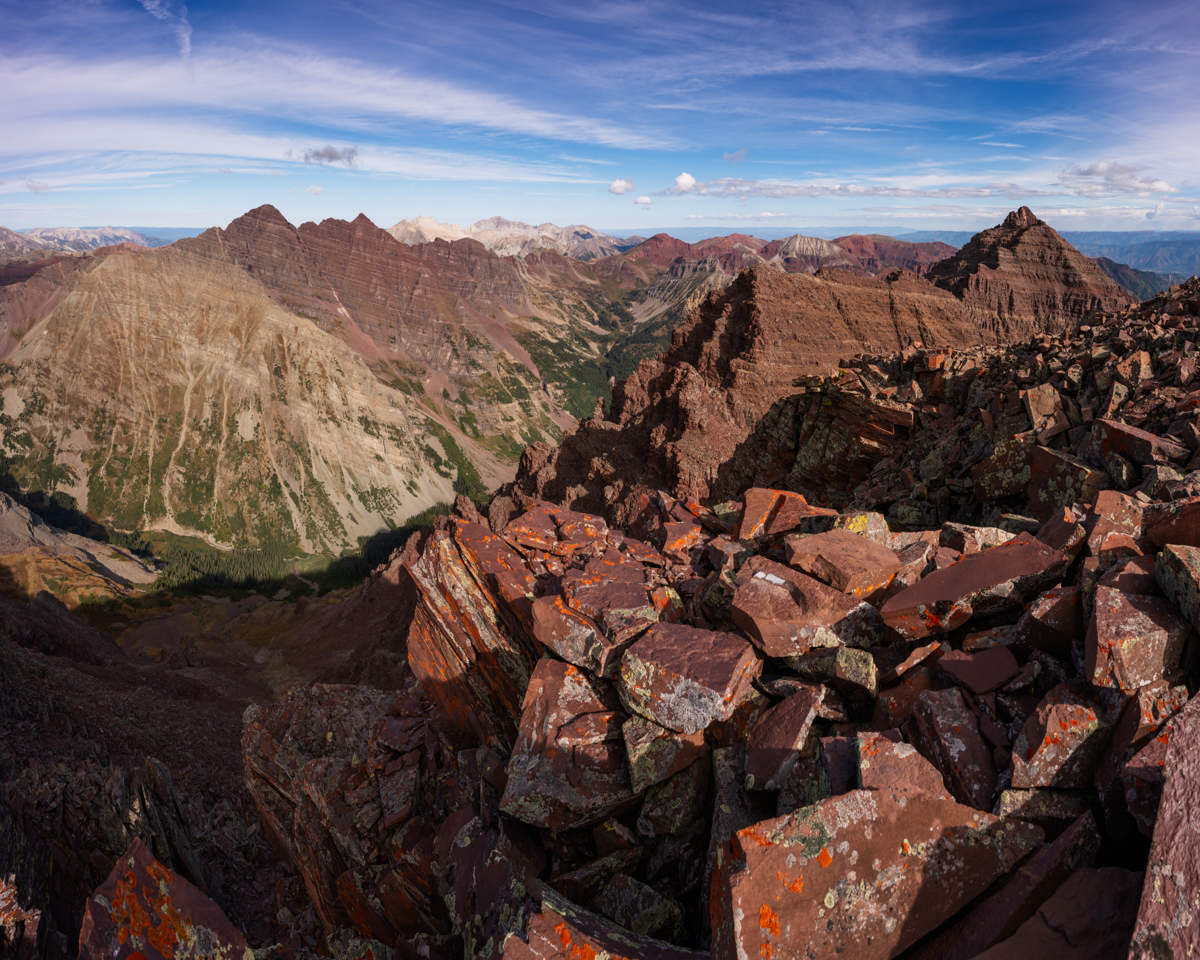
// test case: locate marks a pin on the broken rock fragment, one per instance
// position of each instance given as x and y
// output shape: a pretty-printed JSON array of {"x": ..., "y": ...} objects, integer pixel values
[
  {"x": 948, "y": 735},
  {"x": 896, "y": 767},
  {"x": 775, "y": 742},
  {"x": 1060, "y": 744},
  {"x": 684, "y": 678},
  {"x": 858, "y": 875},
  {"x": 846, "y": 561},
  {"x": 1133, "y": 640},
  {"x": 785, "y": 612},
  {"x": 656, "y": 753},
  {"x": 1168, "y": 924}
]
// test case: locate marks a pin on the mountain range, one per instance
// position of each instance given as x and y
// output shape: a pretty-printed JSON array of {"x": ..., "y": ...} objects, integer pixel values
[{"x": 298, "y": 389}]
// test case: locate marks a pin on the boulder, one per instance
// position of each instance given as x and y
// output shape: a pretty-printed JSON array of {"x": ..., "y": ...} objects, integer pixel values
[
  {"x": 858, "y": 875},
  {"x": 683, "y": 678}
]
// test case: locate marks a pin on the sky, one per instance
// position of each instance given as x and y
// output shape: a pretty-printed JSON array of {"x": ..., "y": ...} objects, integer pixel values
[{"x": 620, "y": 115}]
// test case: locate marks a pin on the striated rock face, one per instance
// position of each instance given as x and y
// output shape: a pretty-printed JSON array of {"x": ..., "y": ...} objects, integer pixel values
[
  {"x": 679, "y": 417},
  {"x": 1022, "y": 277}
]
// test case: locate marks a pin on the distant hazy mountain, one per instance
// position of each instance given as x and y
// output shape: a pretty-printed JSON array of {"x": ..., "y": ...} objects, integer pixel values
[
  {"x": 82, "y": 239},
  {"x": 1143, "y": 284},
  {"x": 1166, "y": 253},
  {"x": 509, "y": 238},
  {"x": 13, "y": 244}
]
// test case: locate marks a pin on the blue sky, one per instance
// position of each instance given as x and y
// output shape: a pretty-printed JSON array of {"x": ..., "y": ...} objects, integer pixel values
[{"x": 922, "y": 115}]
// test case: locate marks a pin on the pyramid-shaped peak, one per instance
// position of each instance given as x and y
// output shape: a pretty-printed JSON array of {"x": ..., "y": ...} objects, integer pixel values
[{"x": 1021, "y": 218}]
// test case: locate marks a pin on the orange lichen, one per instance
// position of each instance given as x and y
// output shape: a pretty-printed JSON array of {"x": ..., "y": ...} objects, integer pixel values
[
  {"x": 825, "y": 858},
  {"x": 768, "y": 919}
]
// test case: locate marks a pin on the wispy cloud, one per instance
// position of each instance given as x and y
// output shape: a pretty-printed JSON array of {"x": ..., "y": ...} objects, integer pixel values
[
  {"x": 737, "y": 156},
  {"x": 175, "y": 15},
  {"x": 314, "y": 190},
  {"x": 732, "y": 187}
]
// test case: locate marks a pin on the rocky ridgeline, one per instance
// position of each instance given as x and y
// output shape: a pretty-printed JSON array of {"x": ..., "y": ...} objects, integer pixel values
[{"x": 754, "y": 728}]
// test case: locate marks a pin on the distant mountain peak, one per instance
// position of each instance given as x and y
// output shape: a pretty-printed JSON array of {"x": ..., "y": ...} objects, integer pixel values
[{"x": 1022, "y": 218}]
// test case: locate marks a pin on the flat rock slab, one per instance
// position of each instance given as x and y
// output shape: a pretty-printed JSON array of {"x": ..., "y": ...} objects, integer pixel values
[
  {"x": 1176, "y": 523},
  {"x": 656, "y": 753},
  {"x": 146, "y": 912},
  {"x": 860, "y": 875},
  {"x": 980, "y": 672},
  {"x": 785, "y": 612},
  {"x": 1135, "y": 444},
  {"x": 683, "y": 678},
  {"x": 990, "y": 581},
  {"x": 1058, "y": 479},
  {"x": 1060, "y": 744},
  {"x": 574, "y": 637},
  {"x": 1000, "y": 914},
  {"x": 848, "y": 670},
  {"x": 775, "y": 741},
  {"x": 1132, "y": 640},
  {"x": 948, "y": 735},
  {"x": 846, "y": 561},
  {"x": 568, "y": 768},
  {"x": 1168, "y": 923}
]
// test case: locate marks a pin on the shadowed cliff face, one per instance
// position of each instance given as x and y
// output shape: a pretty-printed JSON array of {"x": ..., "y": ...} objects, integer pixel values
[{"x": 677, "y": 419}]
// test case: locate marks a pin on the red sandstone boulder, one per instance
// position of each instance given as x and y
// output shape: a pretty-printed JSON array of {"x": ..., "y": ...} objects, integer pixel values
[
  {"x": 1132, "y": 641},
  {"x": 775, "y": 742},
  {"x": 947, "y": 733},
  {"x": 858, "y": 875},
  {"x": 655, "y": 753},
  {"x": 1167, "y": 923},
  {"x": 1060, "y": 744},
  {"x": 846, "y": 561},
  {"x": 684, "y": 678}
]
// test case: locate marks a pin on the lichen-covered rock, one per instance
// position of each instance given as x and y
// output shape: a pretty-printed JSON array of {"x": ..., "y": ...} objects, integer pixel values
[
  {"x": 846, "y": 561},
  {"x": 1177, "y": 570},
  {"x": 684, "y": 678},
  {"x": 143, "y": 910},
  {"x": 1060, "y": 744},
  {"x": 655, "y": 753},
  {"x": 858, "y": 875},
  {"x": 948, "y": 735},
  {"x": 562, "y": 930},
  {"x": 1168, "y": 923},
  {"x": 1133, "y": 640},
  {"x": 896, "y": 767},
  {"x": 568, "y": 768}
]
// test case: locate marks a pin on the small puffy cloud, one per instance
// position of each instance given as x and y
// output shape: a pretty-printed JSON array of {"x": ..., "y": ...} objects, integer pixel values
[
  {"x": 36, "y": 186},
  {"x": 644, "y": 202},
  {"x": 1158, "y": 211},
  {"x": 1103, "y": 179},
  {"x": 736, "y": 157},
  {"x": 621, "y": 185},
  {"x": 684, "y": 182},
  {"x": 314, "y": 190},
  {"x": 331, "y": 154}
]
